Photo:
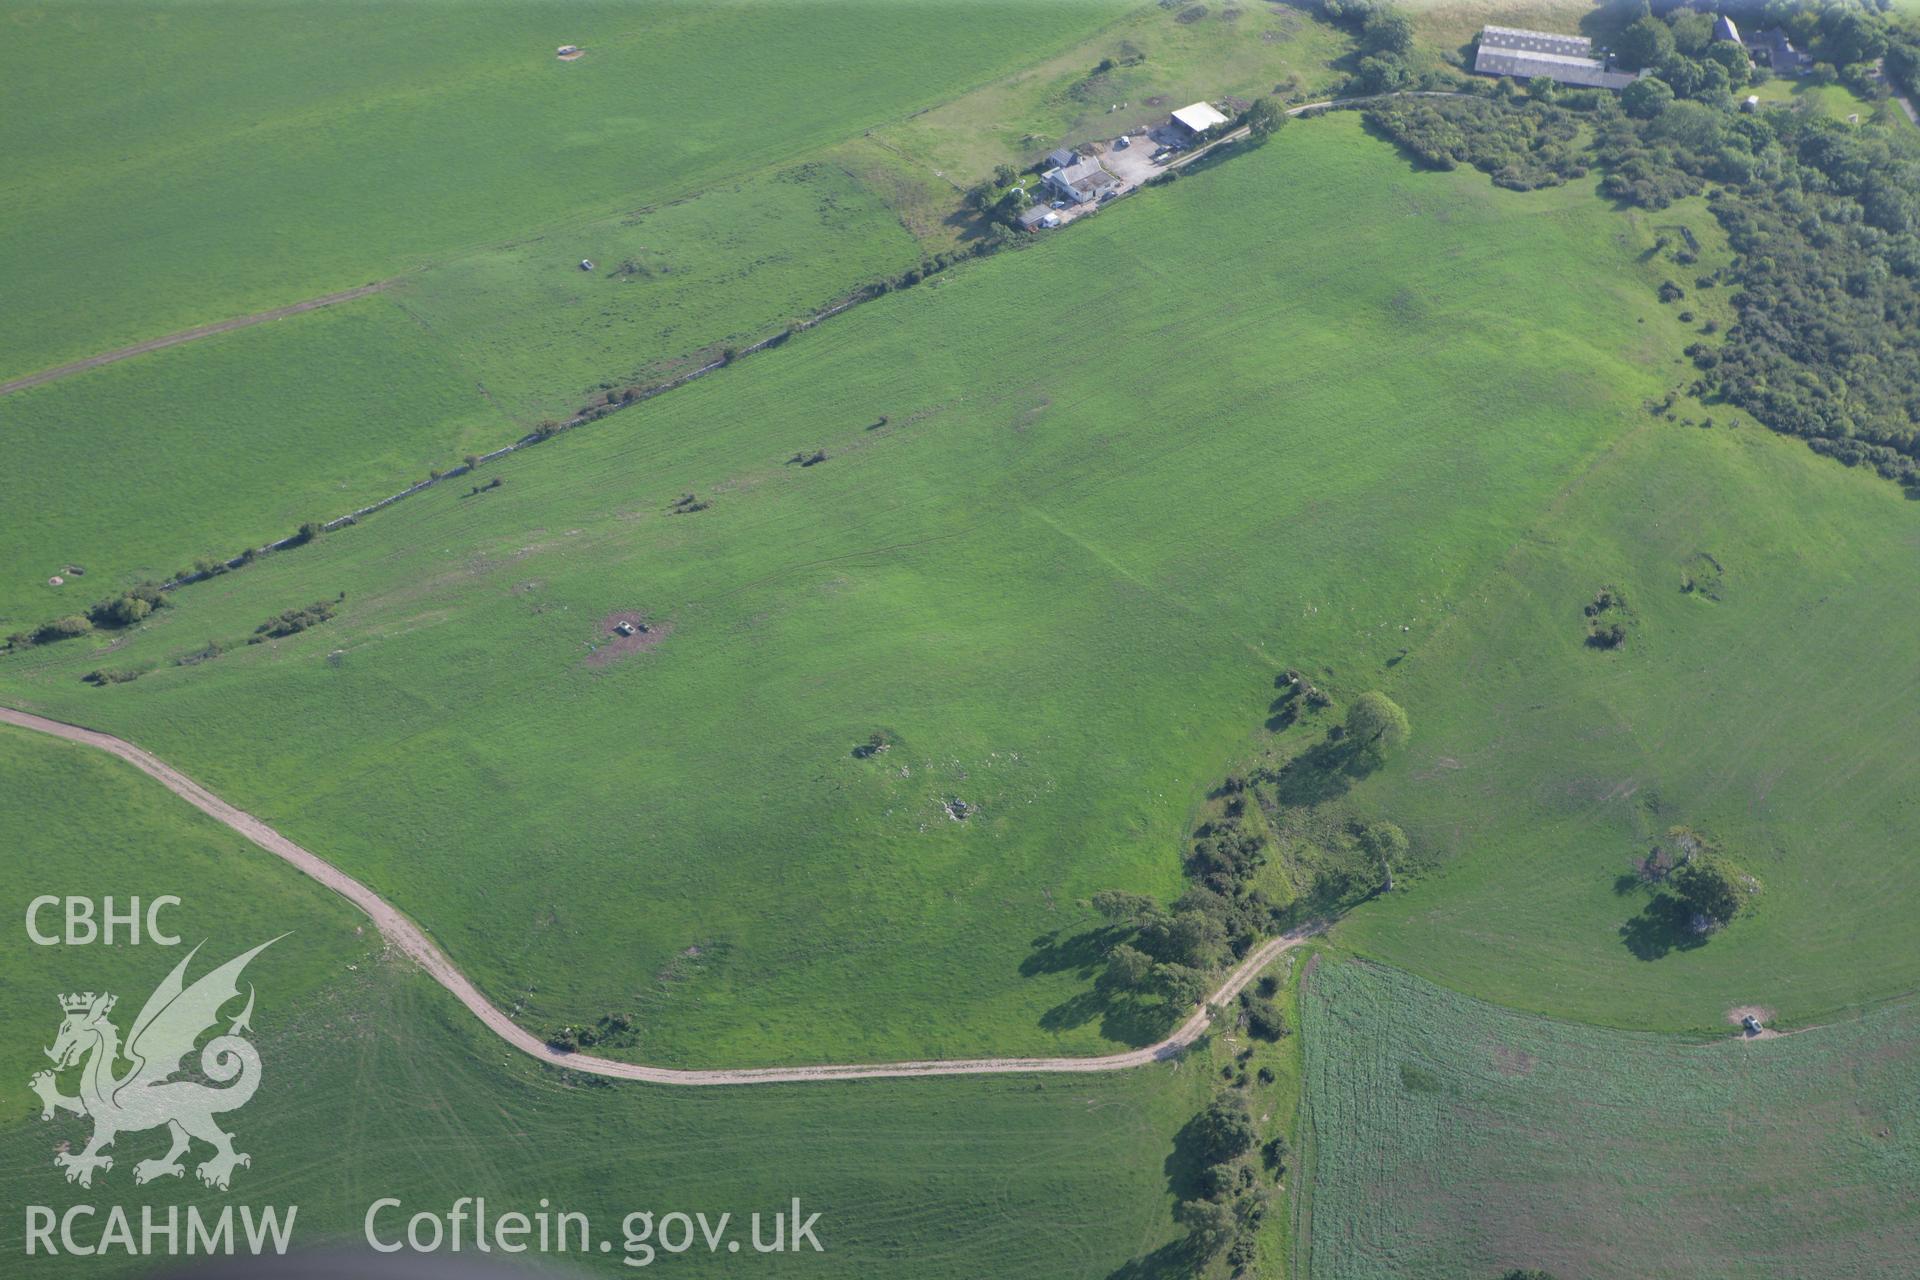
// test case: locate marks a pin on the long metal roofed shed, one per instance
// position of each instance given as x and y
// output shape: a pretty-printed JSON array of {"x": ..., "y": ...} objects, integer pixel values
[
  {"x": 1198, "y": 118},
  {"x": 1536, "y": 41},
  {"x": 1524, "y": 55}
]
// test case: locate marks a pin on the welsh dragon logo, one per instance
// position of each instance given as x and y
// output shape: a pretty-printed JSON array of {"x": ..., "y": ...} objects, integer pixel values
[{"x": 147, "y": 1095}]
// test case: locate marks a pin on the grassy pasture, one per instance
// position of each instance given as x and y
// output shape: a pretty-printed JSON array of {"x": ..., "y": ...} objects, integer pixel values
[
  {"x": 210, "y": 447},
  {"x": 170, "y": 165},
  {"x": 1323, "y": 396},
  {"x": 1162, "y": 61},
  {"x": 726, "y": 267},
  {"x": 375, "y": 1083},
  {"x": 1456, "y": 1138},
  {"x": 137, "y": 468},
  {"x": 1773, "y": 707}
]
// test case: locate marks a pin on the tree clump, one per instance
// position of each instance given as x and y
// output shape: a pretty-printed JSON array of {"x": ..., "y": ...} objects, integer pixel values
[{"x": 1376, "y": 725}]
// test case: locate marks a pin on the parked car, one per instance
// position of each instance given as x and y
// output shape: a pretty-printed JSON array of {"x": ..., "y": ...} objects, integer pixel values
[
  {"x": 1121, "y": 144},
  {"x": 1750, "y": 1024}
]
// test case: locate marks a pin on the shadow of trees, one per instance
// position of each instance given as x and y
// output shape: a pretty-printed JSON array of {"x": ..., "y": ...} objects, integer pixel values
[
  {"x": 1663, "y": 926},
  {"x": 1124, "y": 1016}
]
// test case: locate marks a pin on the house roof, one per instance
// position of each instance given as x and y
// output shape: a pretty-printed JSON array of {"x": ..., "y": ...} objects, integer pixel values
[
  {"x": 1780, "y": 50},
  {"x": 1061, "y": 157},
  {"x": 1723, "y": 29},
  {"x": 1199, "y": 117},
  {"x": 1087, "y": 173},
  {"x": 1034, "y": 217}
]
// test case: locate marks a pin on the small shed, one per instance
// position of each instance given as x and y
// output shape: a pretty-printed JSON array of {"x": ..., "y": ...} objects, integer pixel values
[
  {"x": 1198, "y": 118},
  {"x": 1033, "y": 219}
]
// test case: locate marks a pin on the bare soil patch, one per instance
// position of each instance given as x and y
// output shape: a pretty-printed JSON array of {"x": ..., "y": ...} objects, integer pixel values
[
  {"x": 639, "y": 634},
  {"x": 1760, "y": 1013}
]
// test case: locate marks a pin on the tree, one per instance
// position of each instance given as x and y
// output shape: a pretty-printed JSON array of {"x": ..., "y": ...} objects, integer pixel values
[
  {"x": 1129, "y": 968},
  {"x": 1012, "y": 204},
  {"x": 1264, "y": 119},
  {"x": 1379, "y": 73},
  {"x": 1224, "y": 1131},
  {"x": 1211, "y": 1226},
  {"x": 1387, "y": 31},
  {"x": 1692, "y": 32},
  {"x": 1385, "y": 843},
  {"x": 1646, "y": 97},
  {"x": 1182, "y": 986},
  {"x": 1191, "y": 938},
  {"x": 1118, "y": 905},
  {"x": 1711, "y": 886},
  {"x": 1376, "y": 723},
  {"x": 1646, "y": 43},
  {"x": 1542, "y": 89}
]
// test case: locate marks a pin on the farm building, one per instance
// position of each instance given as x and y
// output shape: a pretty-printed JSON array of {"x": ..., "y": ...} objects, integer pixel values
[
  {"x": 1062, "y": 157},
  {"x": 1772, "y": 47},
  {"x": 1038, "y": 218},
  {"x": 1081, "y": 182},
  {"x": 1197, "y": 119},
  {"x": 1525, "y": 55},
  {"x": 1519, "y": 39}
]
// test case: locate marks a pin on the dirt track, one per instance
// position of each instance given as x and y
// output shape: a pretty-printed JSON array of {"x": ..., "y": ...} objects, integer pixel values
[
  {"x": 410, "y": 938},
  {"x": 188, "y": 335}
]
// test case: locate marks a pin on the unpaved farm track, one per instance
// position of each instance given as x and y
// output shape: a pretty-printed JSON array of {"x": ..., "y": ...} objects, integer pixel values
[
  {"x": 188, "y": 335},
  {"x": 410, "y": 938}
]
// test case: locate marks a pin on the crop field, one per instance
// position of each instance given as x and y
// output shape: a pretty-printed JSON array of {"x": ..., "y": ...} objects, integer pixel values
[
  {"x": 1056, "y": 566},
  {"x": 306, "y": 153},
  {"x": 1456, "y": 1138},
  {"x": 376, "y": 1084}
]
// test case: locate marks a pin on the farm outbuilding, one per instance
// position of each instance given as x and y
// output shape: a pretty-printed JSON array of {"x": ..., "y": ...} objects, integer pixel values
[
  {"x": 1062, "y": 157},
  {"x": 1779, "y": 53},
  {"x": 1527, "y": 55},
  {"x": 1197, "y": 119}
]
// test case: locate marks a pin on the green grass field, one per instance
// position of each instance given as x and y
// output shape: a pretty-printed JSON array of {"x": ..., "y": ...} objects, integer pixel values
[
  {"x": 376, "y": 1084},
  {"x": 1235, "y": 470},
  {"x": 1773, "y": 708},
  {"x": 231, "y": 442},
  {"x": 1456, "y": 1138},
  {"x": 173, "y": 165},
  {"x": 259, "y": 157}
]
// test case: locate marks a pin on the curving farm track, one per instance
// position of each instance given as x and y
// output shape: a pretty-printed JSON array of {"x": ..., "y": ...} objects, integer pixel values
[{"x": 408, "y": 937}]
